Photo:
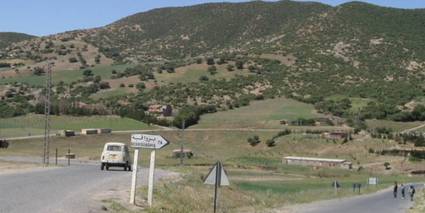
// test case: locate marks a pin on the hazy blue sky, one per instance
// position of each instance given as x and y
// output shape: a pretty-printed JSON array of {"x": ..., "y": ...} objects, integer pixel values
[{"x": 43, "y": 17}]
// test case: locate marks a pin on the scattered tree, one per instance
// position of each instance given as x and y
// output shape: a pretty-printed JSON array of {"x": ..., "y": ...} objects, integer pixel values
[{"x": 254, "y": 140}]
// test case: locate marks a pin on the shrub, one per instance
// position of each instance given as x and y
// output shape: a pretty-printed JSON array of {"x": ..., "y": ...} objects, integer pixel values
[
  {"x": 104, "y": 85},
  {"x": 73, "y": 60},
  {"x": 97, "y": 79},
  {"x": 210, "y": 61},
  {"x": 387, "y": 165},
  {"x": 38, "y": 71},
  {"x": 97, "y": 59},
  {"x": 203, "y": 78},
  {"x": 212, "y": 70},
  {"x": 270, "y": 143},
  {"x": 87, "y": 73},
  {"x": 230, "y": 67},
  {"x": 221, "y": 61},
  {"x": 141, "y": 86},
  {"x": 254, "y": 140},
  {"x": 239, "y": 65}
]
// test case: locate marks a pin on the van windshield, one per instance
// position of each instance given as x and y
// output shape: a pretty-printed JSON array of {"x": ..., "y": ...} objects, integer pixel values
[{"x": 114, "y": 148}]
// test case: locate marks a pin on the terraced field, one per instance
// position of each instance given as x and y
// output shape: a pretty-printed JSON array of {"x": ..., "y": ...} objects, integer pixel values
[
  {"x": 34, "y": 124},
  {"x": 259, "y": 114}
]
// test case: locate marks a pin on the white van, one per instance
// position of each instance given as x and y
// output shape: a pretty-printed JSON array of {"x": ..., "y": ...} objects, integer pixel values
[{"x": 115, "y": 155}]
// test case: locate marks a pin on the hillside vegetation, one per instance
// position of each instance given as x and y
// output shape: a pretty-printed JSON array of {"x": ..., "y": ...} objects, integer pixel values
[
  {"x": 7, "y": 38},
  {"x": 370, "y": 57}
]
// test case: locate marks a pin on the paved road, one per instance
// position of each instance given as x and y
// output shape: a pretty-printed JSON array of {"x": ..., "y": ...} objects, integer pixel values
[
  {"x": 67, "y": 189},
  {"x": 382, "y": 201},
  {"x": 165, "y": 129}
]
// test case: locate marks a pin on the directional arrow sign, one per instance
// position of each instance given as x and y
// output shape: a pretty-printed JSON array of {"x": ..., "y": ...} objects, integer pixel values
[{"x": 148, "y": 141}]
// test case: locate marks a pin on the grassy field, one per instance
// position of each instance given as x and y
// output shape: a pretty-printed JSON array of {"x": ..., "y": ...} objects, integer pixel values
[
  {"x": 419, "y": 206},
  {"x": 34, "y": 124},
  {"x": 356, "y": 103},
  {"x": 67, "y": 76},
  {"x": 259, "y": 114},
  {"x": 192, "y": 73},
  {"x": 394, "y": 125},
  {"x": 258, "y": 178},
  {"x": 109, "y": 93}
]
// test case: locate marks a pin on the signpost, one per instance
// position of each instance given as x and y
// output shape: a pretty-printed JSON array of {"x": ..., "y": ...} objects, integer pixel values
[
  {"x": 373, "y": 181},
  {"x": 335, "y": 185},
  {"x": 145, "y": 141},
  {"x": 217, "y": 176}
]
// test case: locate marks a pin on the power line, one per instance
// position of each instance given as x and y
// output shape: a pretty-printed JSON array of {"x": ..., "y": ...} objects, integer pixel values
[{"x": 47, "y": 105}]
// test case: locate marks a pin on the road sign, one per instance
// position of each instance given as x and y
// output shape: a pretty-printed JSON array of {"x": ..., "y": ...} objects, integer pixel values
[
  {"x": 217, "y": 177},
  {"x": 212, "y": 176},
  {"x": 148, "y": 141},
  {"x": 153, "y": 142},
  {"x": 373, "y": 181}
]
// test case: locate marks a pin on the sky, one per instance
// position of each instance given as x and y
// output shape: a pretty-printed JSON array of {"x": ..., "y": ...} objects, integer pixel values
[{"x": 45, "y": 17}]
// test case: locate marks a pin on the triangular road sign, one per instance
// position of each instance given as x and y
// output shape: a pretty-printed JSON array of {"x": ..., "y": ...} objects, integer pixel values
[{"x": 222, "y": 179}]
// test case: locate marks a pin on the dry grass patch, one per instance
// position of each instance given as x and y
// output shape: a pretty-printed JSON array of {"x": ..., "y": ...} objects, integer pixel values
[{"x": 8, "y": 167}]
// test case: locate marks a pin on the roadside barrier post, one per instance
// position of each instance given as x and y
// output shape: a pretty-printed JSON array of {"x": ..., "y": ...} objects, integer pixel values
[{"x": 56, "y": 157}]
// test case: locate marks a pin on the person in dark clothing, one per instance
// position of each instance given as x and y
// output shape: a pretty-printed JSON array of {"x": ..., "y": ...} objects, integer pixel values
[
  {"x": 395, "y": 189},
  {"x": 403, "y": 191},
  {"x": 412, "y": 192}
]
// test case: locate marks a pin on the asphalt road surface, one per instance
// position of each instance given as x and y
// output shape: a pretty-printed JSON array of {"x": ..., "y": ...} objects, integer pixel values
[
  {"x": 66, "y": 189},
  {"x": 382, "y": 201}
]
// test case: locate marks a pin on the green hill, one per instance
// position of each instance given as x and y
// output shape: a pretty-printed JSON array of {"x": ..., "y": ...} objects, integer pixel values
[
  {"x": 7, "y": 38},
  {"x": 302, "y": 50},
  {"x": 355, "y": 49}
]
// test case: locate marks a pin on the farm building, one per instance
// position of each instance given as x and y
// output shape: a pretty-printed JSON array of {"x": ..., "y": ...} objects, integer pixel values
[
  {"x": 284, "y": 122},
  {"x": 67, "y": 133},
  {"x": 89, "y": 131},
  {"x": 164, "y": 110},
  {"x": 104, "y": 131},
  {"x": 320, "y": 162}
]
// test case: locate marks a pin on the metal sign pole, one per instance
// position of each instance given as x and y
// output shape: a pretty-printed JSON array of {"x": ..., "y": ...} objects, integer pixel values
[
  {"x": 151, "y": 176},
  {"x": 336, "y": 188},
  {"x": 134, "y": 177},
  {"x": 181, "y": 144},
  {"x": 69, "y": 157},
  {"x": 216, "y": 185}
]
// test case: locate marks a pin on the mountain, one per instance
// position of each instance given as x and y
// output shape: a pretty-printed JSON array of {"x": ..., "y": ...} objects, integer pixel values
[
  {"x": 7, "y": 38},
  {"x": 352, "y": 50}
]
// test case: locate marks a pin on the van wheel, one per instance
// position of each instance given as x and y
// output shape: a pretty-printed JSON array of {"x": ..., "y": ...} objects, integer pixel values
[{"x": 102, "y": 166}]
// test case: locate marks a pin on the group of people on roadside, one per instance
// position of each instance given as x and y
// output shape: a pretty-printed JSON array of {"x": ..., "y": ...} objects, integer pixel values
[{"x": 404, "y": 189}]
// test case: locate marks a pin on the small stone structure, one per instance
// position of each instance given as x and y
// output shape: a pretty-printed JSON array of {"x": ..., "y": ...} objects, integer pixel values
[{"x": 89, "y": 131}]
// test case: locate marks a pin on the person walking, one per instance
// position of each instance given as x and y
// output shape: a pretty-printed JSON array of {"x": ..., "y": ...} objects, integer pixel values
[
  {"x": 412, "y": 192},
  {"x": 395, "y": 189},
  {"x": 403, "y": 191}
]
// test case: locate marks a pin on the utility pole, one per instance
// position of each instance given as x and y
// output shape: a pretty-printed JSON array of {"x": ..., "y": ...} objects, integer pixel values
[
  {"x": 181, "y": 144},
  {"x": 47, "y": 105}
]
